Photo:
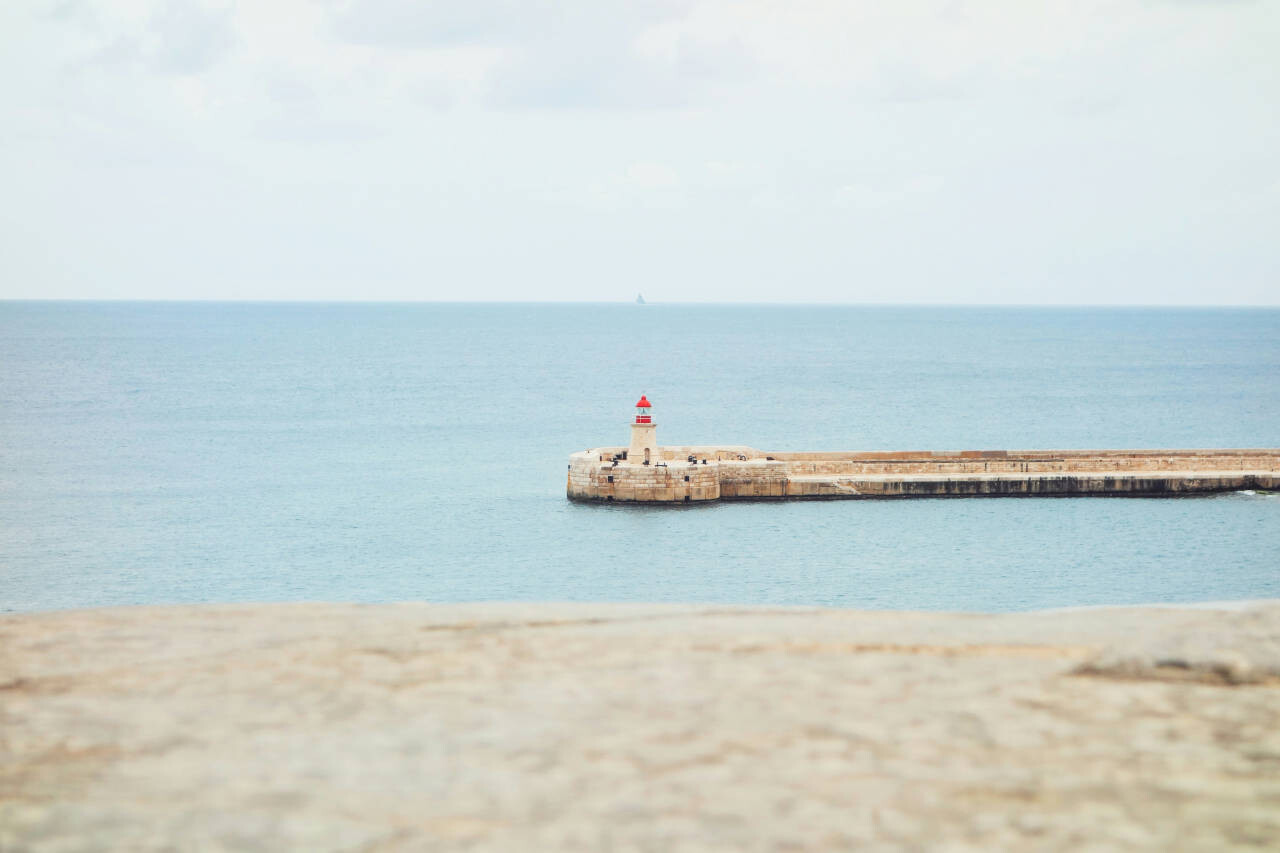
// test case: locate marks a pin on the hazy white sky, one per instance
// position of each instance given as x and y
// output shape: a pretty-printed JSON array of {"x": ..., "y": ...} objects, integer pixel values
[{"x": 1065, "y": 151}]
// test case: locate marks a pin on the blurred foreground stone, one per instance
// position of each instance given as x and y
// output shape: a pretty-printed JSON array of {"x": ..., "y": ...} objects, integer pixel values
[{"x": 617, "y": 727}]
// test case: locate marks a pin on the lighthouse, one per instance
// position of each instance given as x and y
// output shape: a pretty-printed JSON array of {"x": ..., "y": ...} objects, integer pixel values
[{"x": 644, "y": 435}]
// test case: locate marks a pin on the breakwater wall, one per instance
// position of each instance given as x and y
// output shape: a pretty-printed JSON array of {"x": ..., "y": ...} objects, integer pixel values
[{"x": 698, "y": 473}]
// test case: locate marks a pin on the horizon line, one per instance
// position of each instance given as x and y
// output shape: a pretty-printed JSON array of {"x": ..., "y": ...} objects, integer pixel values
[{"x": 647, "y": 303}]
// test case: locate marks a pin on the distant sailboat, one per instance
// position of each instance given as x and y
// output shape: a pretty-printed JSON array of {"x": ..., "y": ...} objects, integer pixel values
[{"x": 639, "y": 298}]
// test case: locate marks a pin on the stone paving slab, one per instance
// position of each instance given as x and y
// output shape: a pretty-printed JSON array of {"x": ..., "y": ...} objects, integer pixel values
[{"x": 638, "y": 727}]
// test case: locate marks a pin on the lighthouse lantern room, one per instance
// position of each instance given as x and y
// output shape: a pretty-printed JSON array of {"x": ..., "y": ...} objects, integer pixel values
[{"x": 644, "y": 435}]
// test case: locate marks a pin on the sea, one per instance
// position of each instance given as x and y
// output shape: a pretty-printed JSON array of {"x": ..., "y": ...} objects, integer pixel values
[{"x": 188, "y": 452}]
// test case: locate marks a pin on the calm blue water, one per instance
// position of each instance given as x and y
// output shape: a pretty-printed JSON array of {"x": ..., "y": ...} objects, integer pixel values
[{"x": 192, "y": 452}]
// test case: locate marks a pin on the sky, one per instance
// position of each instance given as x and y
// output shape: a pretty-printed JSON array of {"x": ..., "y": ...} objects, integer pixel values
[{"x": 866, "y": 151}]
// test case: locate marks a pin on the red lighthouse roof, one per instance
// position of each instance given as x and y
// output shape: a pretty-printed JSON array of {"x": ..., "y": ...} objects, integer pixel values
[{"x": 644, "y": 403}]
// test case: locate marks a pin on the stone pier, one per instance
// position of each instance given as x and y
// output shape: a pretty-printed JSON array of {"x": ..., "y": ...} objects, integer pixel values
[{"x": 694, "y": 474}]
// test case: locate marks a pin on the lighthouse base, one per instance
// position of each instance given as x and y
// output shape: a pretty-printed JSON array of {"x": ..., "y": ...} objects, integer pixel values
[{"x": 644, "y": 444}]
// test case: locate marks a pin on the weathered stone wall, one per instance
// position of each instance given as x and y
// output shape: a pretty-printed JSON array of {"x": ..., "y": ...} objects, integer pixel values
[
  {"x": 591, "y": 478},
  {"x": 739, "y": 472},
  {"x": 1015, "y": 462},
  {"x": 1137, "y": 485},
  {"x": 755, "y": 478}
]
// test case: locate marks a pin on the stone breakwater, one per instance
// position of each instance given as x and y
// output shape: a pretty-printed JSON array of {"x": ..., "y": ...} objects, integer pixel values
[
  {"x": 707, "y": 473},
  {"x": 638, "y": 727}
]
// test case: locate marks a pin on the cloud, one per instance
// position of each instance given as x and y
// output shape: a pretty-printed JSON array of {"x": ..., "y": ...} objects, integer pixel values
[
  {"x": 864, "y": 196},
  {"x": 189, "y": 38},
  {"x": 411, "y": 24},
  {"x": 414, "y": 25},
  {"x": 170, "y": 38},
  {"x": 570, "y": 54}
]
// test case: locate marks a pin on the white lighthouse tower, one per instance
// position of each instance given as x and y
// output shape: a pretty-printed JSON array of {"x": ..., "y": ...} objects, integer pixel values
[{"x": 644, "y": 435}]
